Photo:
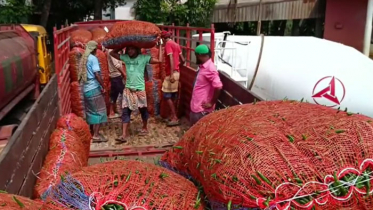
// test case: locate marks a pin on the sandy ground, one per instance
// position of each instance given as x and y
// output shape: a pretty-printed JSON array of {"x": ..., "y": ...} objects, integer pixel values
[{"x": 158, "y": 136}]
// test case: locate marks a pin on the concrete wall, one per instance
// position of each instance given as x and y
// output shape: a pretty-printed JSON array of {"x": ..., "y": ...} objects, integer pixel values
[
  {"x": 125, "y": 12},
  {"x": 345, "y": 22}
]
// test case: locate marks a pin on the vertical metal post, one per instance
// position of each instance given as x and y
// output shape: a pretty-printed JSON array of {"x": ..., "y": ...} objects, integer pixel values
[
  {"x": 188, "y": 36},
  {"x": 368, "y": 28},
  {"x": 212, "y": 42}
]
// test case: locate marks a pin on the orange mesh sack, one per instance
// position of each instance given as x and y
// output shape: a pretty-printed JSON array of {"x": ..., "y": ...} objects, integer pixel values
[
  {"x": 279, "y": 155},
  {"x": 79, "y": 126},
  {"x": 153, "y": 95},
  {"x": 80, "y": 37},
  {"x": 126, "y": 184},
  {"x": 98, "y": 35},
  {"x": 77, "y": 99},
  {"x": 66, "y": 155},
  {"x": 75, "y": 56},
  {"x": 15, "y": 202},
  {"x": 101, "y": 56},
  {"x": 132, "y": 33}
]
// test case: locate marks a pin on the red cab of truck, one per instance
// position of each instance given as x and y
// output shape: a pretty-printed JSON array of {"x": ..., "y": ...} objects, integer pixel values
[{"x": 18, "y": 65}]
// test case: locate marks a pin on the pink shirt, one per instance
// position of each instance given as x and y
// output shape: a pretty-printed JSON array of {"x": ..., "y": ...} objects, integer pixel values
[{"x": 207, "y": 81}]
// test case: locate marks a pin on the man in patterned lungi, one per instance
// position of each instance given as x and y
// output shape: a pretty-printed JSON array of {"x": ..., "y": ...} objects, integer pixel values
[
  {"x": 90, "y": 77},
  {"x": 134, "y": 95}
]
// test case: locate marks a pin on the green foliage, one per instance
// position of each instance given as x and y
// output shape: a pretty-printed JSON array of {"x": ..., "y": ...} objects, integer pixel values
[
  {"x": 194, "y": 12},
  {"x": 150, "y": 11},
  {"x": 14, "y": 11}
]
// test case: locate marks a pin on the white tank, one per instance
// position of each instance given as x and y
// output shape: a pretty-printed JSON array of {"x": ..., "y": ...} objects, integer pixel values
[{"x": 315, "y": 70}]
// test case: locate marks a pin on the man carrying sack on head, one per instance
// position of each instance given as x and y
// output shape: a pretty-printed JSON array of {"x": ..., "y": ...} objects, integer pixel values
[{"x": 170, "y": 86}]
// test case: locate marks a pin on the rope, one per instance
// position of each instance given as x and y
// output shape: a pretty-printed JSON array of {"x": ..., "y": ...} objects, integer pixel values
[
  {"x": 258, "y": 63},
  {"x": 329, "y": 189}
]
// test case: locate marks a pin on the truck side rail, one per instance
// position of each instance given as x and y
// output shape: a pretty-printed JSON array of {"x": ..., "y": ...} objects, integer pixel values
[
  {"x": 231, "y": 95},
  {"x": 23, "y": 156}
]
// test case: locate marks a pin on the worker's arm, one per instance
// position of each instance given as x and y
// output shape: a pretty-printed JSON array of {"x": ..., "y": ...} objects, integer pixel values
[
  {"x": 154, "y": 61},
  {"x": 182, "y": 59},
  {"x": 115, "y": 54},
  {"x": 213, "y": 77},
  {"x": 96, "y": 71}
]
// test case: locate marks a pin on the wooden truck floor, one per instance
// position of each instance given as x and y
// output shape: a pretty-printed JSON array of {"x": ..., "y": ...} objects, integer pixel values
[{"x": 147, "y": 148}]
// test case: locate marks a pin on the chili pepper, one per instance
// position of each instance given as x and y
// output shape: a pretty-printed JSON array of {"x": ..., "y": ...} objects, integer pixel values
[
  {"x": 304, "y": 137},
  {"x": 20, "y": 204},
  {"x": 214, "y": 176},
  {"x": 197, "y": 165},
  {"x": 177, "y": 147},
  {"x": 199, "y": 152},
  {"x": 264, "y": 178},
  {"x": 349, "y": 113},
  {"x": 291, "y": 138},
  {"x": 256, "y": 180},
  {"x": 340, "y": 186},
  {"x": 115, "y": 183},
  {"x": 367, "y": 183},
  {"x": 252, "y": 197},
  {"x": 229, "y": 206},
  {"x": 339, "y": 131},
  {"x": 128, "y": 177},
  {"x": 266, "y": 203},
  {"x": 302, "y": 100},
  {"x": 235, "y": 179}
]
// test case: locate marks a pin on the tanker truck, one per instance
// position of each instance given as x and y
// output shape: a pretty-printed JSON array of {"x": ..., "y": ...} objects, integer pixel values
[{"x": 24, "y": 65}]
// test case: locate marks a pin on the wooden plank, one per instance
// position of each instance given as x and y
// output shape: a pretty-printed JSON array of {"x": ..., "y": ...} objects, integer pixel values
[
  {"x": 29, "y": 149},
  {"x": 39, "y": 156},
  {"x": 14, "y": 153},
  {"x": 237, "y": 91},
  {"x": 227, "y": 100}
]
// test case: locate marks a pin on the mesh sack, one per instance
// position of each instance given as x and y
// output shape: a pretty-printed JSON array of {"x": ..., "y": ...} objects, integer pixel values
[
  {"x": 153, "y": 90},
  {"x": 66, "y": 155},
  {"x": 75, "y": 56},
  {"x": 77, "y": 99},
  {"x": 133, "y": 185},
  {"x": 15, "y": 202},
  {"x": 162, "y": 66},
  {"x": 80, "y": 37},
  {"x": 98, "y": 35},
  {"x": 79, "y": 126},
  {"x": 153, "y": 70},
  {"x": 279, "y": 154},
  {"x": 132, "y": 33},
  {"x": 105, "y": 74}
]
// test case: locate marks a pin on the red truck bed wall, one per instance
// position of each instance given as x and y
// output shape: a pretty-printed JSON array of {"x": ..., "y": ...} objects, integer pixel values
[{"x": 17, "y": 62}]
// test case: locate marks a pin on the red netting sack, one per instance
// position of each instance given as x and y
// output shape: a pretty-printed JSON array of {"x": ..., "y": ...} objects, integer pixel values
[
  {"x": 132, "y": 185},
  {"x": 79, "y": 126},
  {"x": 75, "y": 56},
  {"x": 80, "y": 37},
  {"x": 66, "y": 155},
  {"x": 15, "y": 202},
  {"x": 153, "y": 90},
  {"x": 102, "y": 58},
  {"x": 98, "y": 35},
  {"x": 280, "y": 154},
  {"x": 162, "y": 66},
  {"x": 77, "y": 99},
  {"x": 153, "y": 70},
  {"x": 132, "y": 33}
]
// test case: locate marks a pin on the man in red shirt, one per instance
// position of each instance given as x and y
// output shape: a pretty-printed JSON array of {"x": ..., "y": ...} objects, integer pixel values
[{"x": 170, "y": 86}]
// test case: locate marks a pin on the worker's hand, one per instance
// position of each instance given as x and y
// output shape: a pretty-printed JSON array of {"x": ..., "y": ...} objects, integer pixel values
[
  {"x": 103, "y": 91},
  {"x": 207, "y": 105},
  {"x": 172, "y": 79}
]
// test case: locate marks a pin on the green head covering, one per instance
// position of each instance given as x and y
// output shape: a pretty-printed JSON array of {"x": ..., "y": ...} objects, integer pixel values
[{"x": 202, "y": 49}]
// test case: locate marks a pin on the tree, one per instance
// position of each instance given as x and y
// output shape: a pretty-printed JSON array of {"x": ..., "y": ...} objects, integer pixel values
[
  {"x": 14, "y": 11},
  {"x": 194, "y": 12}
]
